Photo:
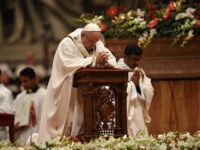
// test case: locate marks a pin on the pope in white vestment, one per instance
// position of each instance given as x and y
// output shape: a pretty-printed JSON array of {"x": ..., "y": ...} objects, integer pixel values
[
  {"x": 138, "y": 102},
  {"x": 61, "y": 113}
]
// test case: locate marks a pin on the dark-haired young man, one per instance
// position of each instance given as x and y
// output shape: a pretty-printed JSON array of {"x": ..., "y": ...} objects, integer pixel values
[
  {"x": 28, "y": 105},
  {"x": 140, "y": 91}
]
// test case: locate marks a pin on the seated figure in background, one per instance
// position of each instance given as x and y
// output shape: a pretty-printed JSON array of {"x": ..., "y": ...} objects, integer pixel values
[
  {"x": 28, "y": 105},
  {"x": 31, "y": 62},
  {"x": 139, "y": 89},
  {"x": 8, "y": 79}
]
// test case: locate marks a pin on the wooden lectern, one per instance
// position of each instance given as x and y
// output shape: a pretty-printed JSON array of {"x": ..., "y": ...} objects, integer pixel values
[{"x": 103, "y": 93}]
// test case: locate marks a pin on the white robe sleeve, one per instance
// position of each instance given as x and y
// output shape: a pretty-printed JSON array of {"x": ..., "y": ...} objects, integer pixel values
[
  {"x": 68, "y": 59},
  {"x": 6, "y": 100},
  {"x": 111, "y": 58},
  {"x": 71, "y": 56},
  {"x": 148, "y": 92},
  {"x": 131, "y": 96}
]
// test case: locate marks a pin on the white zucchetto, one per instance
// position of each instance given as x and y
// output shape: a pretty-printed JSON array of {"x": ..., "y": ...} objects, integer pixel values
[{"x": 92, "y": 27}]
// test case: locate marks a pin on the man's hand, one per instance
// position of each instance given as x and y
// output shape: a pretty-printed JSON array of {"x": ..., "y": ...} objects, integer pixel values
[
  {"x": 135, "y": 77},
  {"x": 102, "y": 58}
]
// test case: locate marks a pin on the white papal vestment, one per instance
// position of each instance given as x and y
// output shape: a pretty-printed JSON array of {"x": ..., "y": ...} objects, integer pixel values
[{"x": 62, "y": 114}]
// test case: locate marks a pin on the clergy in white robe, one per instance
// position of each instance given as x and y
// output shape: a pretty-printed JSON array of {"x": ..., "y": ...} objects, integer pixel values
[
  {"x": 140, "y": 92},
  {"x": 62, "y": 113},
  {"x": 6, "y": 99},
  {"x": 35, "y": 98},
  {"x": 28, "y": 106}
]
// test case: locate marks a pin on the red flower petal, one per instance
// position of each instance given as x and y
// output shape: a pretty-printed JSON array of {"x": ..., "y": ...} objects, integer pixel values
[
  {"x": 171, "y": 6},
  {"x": 153, "y": 23},
  {"x": 103, "y": 26},
  {"x": 112, "y": 11},
  {"x": 169, "y": 15},
  {"x": 121, "y": 7},
  {"x": 198, "y": 23}
]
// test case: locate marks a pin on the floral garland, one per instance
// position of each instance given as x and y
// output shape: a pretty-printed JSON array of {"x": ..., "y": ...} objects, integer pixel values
[
  {"x": 175, "y": 20},
  {"x": 171, "y": 140}
]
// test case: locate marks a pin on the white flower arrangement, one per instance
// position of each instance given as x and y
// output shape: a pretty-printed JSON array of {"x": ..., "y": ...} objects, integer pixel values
[
  {"x": 187, "y": 28},
  {"x": 171, "y": 140},
  {"x": 175, "y": 20}
]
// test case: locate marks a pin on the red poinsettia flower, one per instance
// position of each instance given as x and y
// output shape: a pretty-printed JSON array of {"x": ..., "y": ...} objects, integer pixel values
[
  {"x": 198, "y": 22},
  {"x": 168, "y": 15},
  {"x": 153, "y": 23},
  {"x": 103, "y": 26},
  {"x": 152, "y": 14},
  {"x": 151, "y": 7},
  {"x": 171, "y": 6},
  {"x": 197, "y": 14},
  {"x": 121, "y": 8},
  {"x": 112, "y": 11}
]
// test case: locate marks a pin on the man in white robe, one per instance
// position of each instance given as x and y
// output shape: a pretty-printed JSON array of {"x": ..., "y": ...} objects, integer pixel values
[
  {"x": 6, "y": 99},
  {"x": 28, "y": 106},
  {"x": 62, "y": 113},
  {"x": 140, "y": 92}
]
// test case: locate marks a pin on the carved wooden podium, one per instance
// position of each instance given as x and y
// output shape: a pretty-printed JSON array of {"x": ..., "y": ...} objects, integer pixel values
[{"x": 103, "y": 93}]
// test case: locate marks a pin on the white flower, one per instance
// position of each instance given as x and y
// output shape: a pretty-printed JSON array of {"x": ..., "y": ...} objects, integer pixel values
[
  {"x": 180, "y": 16},
  {"x": 153, "y": 32},
  {"x": 140, "y": 13},
  {"x": 129, "y": 14},
  {"x": 185, "y": 135},
  {"x": 122, "y": 16},
  {"x": 172, "y": 144},
  {"x": 189, "y": 11},
  {"x": 163, "y": 146},
  {"x": 190, "y": 34},
  {"x": 187, "y": 24},
  {"x": 182, "y": 144},
  {"x": 193, "y": 22},
  {"x": 161, "y": 137},
  {"x": 142, "y": 25},
  {"x": 97, "y": 19},
  {"x": 145, "y": 34},
  {"x": 138, "y": 20},
  {"x": 141, "y": 39},
  {"x": 141, "y": 147}
]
